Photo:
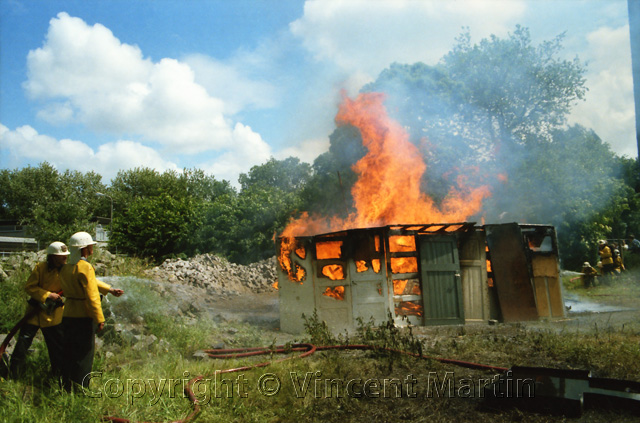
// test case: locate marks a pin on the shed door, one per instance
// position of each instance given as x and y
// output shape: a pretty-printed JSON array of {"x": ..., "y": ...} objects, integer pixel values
[
  {"x": 368, "y": 278},
  {"x": 511, "y": 272},
  {"x": 441, "y": 284}
]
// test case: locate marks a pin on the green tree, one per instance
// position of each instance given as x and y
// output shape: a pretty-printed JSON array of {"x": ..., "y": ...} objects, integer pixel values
[
  {"x": 517, "y": 92},
  {"x": 572, "y": 182},
  {"x": 483, "y": 104},
  {"x": 53, "y": 205},
  {"x": 328, "y": 191},
  {"x": 140, "y": 197},
  {"x": 156, "y": 226},
  {"x": 242, "y": 226}
]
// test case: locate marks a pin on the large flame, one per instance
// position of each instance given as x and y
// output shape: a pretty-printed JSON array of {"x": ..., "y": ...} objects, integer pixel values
[{"x": 389, "y": 177}]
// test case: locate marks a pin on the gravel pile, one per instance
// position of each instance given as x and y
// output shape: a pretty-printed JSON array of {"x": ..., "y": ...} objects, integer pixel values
[{"x": 216, "y": 274}]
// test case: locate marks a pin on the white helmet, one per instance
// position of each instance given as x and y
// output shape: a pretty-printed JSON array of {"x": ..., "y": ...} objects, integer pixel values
[
  {"x": 58, "y": 249},
  {"x": 81, "y": 240},
  {"x": 586, "y": 264}
]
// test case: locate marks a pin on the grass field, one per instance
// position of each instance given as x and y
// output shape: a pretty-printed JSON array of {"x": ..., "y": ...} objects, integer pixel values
[{"x": 328, "y": 386}]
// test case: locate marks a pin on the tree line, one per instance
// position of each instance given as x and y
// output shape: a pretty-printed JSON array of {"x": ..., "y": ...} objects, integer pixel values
[{"x": 494, "y": 111}]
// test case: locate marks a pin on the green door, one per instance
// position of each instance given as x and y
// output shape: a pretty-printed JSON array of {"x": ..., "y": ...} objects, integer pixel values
[{"x": 441, "y": 284}]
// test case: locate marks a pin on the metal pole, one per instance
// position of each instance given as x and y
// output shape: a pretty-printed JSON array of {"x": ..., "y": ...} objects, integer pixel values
[{"x": 634, "y": 32}]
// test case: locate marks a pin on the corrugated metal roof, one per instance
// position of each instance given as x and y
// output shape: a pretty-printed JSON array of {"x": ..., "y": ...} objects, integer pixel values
[{"x": 17, "y": 240}]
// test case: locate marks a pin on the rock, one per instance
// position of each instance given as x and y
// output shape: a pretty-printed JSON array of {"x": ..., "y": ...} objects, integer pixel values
[
  {"x": 3, "y": 275},
  {"x": 163, "y": 345},
  {"x": 144, "y": 342},
  {"x": 12, "y": 343},
  {"x": 200, "y": 355},
  {"x": 217, "y": 275}
]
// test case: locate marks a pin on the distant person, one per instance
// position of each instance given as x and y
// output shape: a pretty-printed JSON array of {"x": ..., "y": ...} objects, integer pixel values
[
  {"x": 82, "y": 316},
  {"x": 606, "y": 257},
  {"x": 43, "y": 286},
  {"x": 634, "y": 244},
  {"x": 588, "y": 275},
  {"x": 618, "y": 265}
]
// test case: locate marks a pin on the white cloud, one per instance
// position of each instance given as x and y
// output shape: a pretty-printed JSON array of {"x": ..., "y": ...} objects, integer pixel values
[
  {"x": 369, "y": 35},
  {"x": 229, "y": 83},
  {"x": 306, "y": 151},
  {"x": 609, "y": 106},
  {"x": 108, "y": 86},
  {"x": 57, "y": 113},
  {"x": 25, "y": 143},
  {"x": 250, "y": 152}
]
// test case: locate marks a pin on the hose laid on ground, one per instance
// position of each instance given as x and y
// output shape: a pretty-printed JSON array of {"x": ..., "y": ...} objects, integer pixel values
[
  {"x": 307, "y": 350},
  {"x": 28, "y": 315},
  {"x": 15, "y": 330}
]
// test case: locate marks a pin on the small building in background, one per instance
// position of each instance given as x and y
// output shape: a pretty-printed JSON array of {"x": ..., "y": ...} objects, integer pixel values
[
  {"x": 15, "y": 238},
  {"x": 103, "y": 224}
]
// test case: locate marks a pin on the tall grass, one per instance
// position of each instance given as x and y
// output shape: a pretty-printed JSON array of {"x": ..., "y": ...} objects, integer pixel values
[{"x": 162, "y": 368}]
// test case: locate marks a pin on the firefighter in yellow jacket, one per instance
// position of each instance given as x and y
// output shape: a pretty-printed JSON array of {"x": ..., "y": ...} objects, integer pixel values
[
  {"x": 606, "y": 257},
  {"x": 43, "y": 286},
  {"x": 82, "y": 315}
]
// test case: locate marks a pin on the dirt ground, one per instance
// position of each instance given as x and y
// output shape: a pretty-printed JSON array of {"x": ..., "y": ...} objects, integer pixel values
[{"x": 582, "y": 314}]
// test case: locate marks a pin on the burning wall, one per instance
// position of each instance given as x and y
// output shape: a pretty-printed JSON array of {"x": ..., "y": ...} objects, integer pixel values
[
  {"x": 422, "y": 275},
  {"x": 411, "y": 272}
]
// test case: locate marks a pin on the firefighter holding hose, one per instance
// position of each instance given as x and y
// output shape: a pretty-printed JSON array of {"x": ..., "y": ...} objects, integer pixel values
[
  {"x": 45, "y": 304},
  {"x": 606, "y": 257},
  {"x": 82, "y": 316}
]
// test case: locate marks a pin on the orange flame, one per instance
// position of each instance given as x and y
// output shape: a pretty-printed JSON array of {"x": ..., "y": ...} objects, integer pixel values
[
  {"x": 275, "y": 285},
  {"x": 375, "y": 263},
  {"x": 336, "y": 292},
  {"x": 361, "y": 266},
  {"x": 399, "y": 286},
  {"x": 328, "y": 250},
  {"x": 333, "y": 271},
  {"x": 389, "y": 178},
  {"x": 294, "y": 272},
  {"x": 402, "y": 243},
  {"x": 404, "y": 264},
  {"x": 408, "y": 308}
]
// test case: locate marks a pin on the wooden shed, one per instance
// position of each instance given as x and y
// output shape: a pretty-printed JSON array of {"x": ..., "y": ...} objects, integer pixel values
[{"x": 431, "y": 274}]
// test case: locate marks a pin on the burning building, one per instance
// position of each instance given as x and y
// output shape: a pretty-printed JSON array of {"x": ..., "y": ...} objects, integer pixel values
[
  {"x": 431, "y": 274},
  {"x": 390, "y": 257}
]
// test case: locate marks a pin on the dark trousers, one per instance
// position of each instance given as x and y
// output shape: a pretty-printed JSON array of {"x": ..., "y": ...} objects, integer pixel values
[
  {"x": 53, "y": 336},
  {"x": 78, "y": 349}
]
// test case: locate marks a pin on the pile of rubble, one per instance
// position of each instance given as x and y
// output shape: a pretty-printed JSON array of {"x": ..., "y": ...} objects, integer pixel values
[{"x": 217, "y": 275}]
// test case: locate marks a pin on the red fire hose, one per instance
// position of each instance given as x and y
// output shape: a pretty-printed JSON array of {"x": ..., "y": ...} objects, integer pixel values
[
  {"x": 29, "y": 314},
  {"x": 15, "y": 330},
  {"x": 307, "y": 350}
]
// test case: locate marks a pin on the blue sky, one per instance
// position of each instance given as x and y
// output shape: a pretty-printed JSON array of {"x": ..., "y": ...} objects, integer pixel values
[{"x": 225, "y": 85}]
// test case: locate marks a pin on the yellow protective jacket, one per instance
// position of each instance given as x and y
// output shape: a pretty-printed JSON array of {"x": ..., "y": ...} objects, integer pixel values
[
  {"x": 618, "y": 263},
  {"x": 82, "y": 291},
  {"x": 605, "y": 255},
  {"x": 589, "y": 271},
  {"x": 40, "y": 284}
]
